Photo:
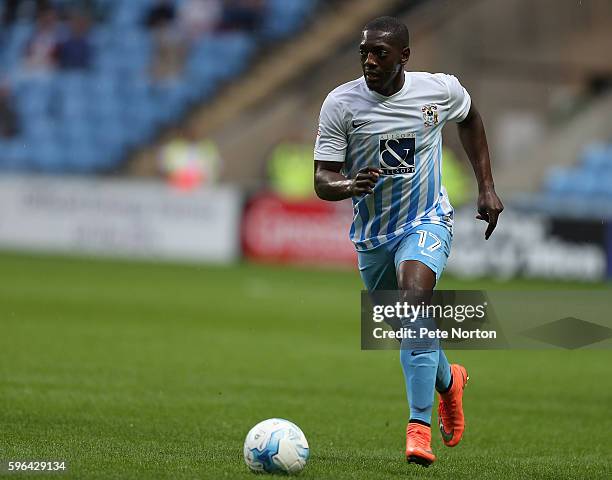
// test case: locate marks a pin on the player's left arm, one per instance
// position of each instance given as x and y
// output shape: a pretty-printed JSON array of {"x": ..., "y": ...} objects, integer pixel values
[{"x": 474, "y": 141}]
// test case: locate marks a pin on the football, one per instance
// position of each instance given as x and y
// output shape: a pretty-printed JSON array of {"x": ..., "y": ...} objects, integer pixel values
[{"x": 276, "y": 445}]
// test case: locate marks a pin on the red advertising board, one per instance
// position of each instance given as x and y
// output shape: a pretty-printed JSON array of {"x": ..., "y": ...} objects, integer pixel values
[{"x": 302, "y": 232}]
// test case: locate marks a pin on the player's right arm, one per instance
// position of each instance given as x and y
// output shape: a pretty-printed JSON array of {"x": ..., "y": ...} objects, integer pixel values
[
  {"x": 331, "y": 185},
  {"x": 329, "y": 154}
]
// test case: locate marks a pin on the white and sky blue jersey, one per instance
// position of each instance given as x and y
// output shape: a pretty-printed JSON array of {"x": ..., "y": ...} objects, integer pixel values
[{"x": 401, "y": 135}]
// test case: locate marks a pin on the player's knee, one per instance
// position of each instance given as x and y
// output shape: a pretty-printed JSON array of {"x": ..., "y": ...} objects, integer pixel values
[
  {"x": 413, "y": 276},
  {"x": 413, "y": 291},
  {"x": 411, "y": 284}
]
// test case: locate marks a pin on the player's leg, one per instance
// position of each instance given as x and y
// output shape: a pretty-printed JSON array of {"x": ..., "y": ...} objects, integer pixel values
[
  {"x": 433, "y": 249},
  {"x": 440, "y": 244},
  {"x": 377, "y": 269},
  {"x": 419, "y": 359},
  {"x": 420, "y": 260},
  {"x": 443, "y": 374},
  {"x": 451, "y": 420}
]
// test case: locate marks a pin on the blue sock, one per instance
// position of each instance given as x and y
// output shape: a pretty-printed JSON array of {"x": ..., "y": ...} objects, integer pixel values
[
  {"x": 420, "y": 364},
  {"x": 443, "y": 375}
]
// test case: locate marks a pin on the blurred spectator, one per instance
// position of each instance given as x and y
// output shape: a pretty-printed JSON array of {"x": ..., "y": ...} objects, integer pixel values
[
  {"x": 242, "y": 14},
  {"x": 170, "y": 44},
  {"x": 75, "y": 51},
  {"x": 9, "y": 14},
  {"x": 161, "y": 13},
  {"x": 189, "y": 161},
  {"x": 170, "y": 55},
  {"x": 14, "y": 9},
  {"x": 9, "y": 122},
  {"x": 41, "y": 49},
  {"x": 95, "y": 10},
  {"x": 599, "y": 83},
  {"x": 291, "y": 169},
  {"x": 456, "y": 178},
  {"x": 197, "y": 17}
]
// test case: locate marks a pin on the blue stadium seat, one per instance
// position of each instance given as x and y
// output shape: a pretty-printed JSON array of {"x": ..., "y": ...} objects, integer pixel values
[
  {"x": 128, "y": 14},
  {"x": 135, "y": 88},
  {"x": 200, "y": 87},
  {"x": 74, "y": 108},
  {"x": 83, "y": 157},
  {"x": 48, "y": 157},
  {"x": 103, "y": 86},
  {"x": 112, "y": 139},
  {"x": 40, "y": 129},
  {"x": 120, "y": 66},
  {"x": 75, "y": 121},
  {"x": 14, "y": 48},
  {"x": 171, "y": 100},
  {"x": 284, "y": 17},
  {"x": 35, "y": 96},
  {"x": 587, "y": 183},
  {"x": 142, "y": 119},
  {"x": 558, "y": 182},
  {"x": 108, "y": 112},
  {"x": 102, "y": 38},
  {"x": 72, "y": 83},
  {"x": 597, "y": 156},
  {"x": 78, "y": 132},
  {"x": 16, "y": 156},
  {"x": 234, "y": 48},
  {"x": 607, "y": 185},
  {"x": 106, "y": 5}
]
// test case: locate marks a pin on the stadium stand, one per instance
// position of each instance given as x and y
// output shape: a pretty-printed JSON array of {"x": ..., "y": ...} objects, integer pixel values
[
  {"x": 87, "y": 120},
  {"x": 579, "y": 190},
  {"x": 591, "y": 177}
]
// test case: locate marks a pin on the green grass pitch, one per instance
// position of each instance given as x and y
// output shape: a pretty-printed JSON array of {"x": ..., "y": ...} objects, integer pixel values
[{"x": 136, "y": 370}]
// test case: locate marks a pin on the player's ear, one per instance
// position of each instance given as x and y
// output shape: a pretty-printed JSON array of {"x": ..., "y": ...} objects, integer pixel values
[{"x": 405, "y": 55}]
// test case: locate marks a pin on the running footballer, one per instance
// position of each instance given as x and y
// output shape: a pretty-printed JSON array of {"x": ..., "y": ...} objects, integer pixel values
[{"x": 380, "y": 143}]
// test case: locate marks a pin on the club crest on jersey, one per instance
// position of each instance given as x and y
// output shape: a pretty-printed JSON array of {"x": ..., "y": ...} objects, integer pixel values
[
  {"x": 396, "y": 153},
  {"x": 430, "y": 115}
]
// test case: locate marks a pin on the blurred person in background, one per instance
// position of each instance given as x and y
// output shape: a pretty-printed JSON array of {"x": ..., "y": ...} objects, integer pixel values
[
  {"x": 455, "y": 177},
  {"x": 41, "y": 49},
  {"x": 290, "y": 169},
  {"x": 198, "y": 17},
  {"x": 170, "y": 43},
  {"x": 9, "y": 120},
  {"x": 162, "y": 12},
  {"x": 242, "y": 14},
  {"x": 9, "y": 12},
  {"x": 189, "y": 161},
  {"x": 74, "y": 50},
  {"x": 13, "y": 9}
]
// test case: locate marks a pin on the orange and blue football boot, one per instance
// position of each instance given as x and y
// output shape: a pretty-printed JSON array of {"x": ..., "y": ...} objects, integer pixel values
[
  {"x": 418, "y": 445},
  {"x": 450, "y": 408}
]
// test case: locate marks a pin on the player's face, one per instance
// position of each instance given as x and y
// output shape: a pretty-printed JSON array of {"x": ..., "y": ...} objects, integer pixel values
[{"x": 382, "y": 61}]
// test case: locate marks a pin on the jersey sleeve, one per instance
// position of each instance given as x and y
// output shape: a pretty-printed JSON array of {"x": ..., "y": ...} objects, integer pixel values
[
  {"x": 459, "y": 100},
  {"x": 330, "y": 145}
]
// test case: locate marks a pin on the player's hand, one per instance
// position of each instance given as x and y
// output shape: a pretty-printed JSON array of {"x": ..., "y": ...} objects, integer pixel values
[
  {"x": 364, "y": 181},
  {"x": 489, "y": 208}
]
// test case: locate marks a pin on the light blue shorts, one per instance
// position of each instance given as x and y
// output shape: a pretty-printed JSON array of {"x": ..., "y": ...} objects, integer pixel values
[{"x": 428, "y": 243}]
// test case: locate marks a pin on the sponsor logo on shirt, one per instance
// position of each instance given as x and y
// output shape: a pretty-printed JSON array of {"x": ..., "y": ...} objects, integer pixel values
[{"x": 396, "y": 154}]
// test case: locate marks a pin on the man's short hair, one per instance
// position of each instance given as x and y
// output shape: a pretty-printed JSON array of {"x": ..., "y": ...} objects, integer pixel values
[{"x": 393, "y": 26}]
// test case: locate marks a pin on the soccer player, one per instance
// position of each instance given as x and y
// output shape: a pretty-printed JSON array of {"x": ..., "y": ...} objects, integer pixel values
[{"x": 379, "y": 143}]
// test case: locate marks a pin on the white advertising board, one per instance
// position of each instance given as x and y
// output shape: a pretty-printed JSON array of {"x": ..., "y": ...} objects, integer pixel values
[
  {"x": 526, "y": 245},
  {"x": 119, "y": 218}
]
